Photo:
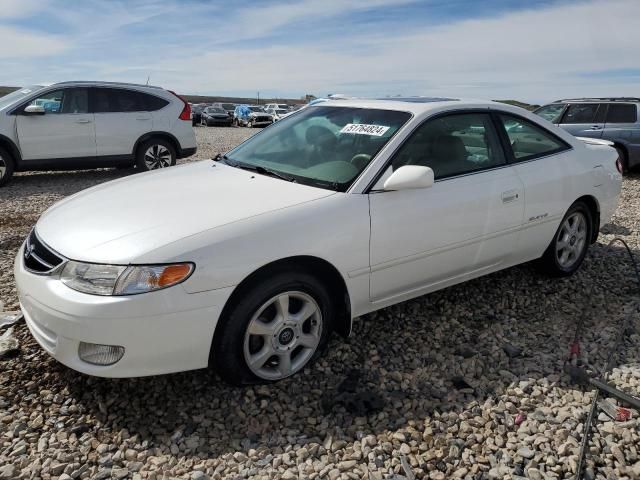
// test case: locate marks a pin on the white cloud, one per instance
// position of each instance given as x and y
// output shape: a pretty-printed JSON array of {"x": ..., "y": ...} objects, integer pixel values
[
  {"x": 19, "y": 43},
  {"x": 19, "y": 8}
]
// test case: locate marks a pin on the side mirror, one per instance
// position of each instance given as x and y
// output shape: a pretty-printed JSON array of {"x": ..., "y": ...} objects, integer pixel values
[
  {"x": 34, "y": 110},
  {"x": 409, "y": 177}
]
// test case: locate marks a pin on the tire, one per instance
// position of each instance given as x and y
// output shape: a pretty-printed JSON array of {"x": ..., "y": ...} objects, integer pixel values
[
  {"x": 7, "y": 166},
  {"x": 250, "y": 124},
  {"x": 625, "y": 161},
  {"x": 233, "y": 346},
  {"x": 155, "y": 153},
  {"x": 569, "y": 246}
]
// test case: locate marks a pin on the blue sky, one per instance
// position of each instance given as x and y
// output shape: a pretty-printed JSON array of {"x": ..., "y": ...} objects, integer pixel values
[{"x": 525, "y": 49}]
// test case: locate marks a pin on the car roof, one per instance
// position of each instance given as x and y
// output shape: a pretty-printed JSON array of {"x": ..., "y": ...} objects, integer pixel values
[
  {"x": 597, "y": 99},
  {"x": 109, "y": 84},
  {"x": 415, "y": 105}
]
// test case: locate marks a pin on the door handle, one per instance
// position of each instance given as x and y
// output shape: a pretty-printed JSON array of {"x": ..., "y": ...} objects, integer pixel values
[
  {"x": 596, "y": 127},
  {"x": 510, "y": 196},
  {"x": 83, "y": 120}
]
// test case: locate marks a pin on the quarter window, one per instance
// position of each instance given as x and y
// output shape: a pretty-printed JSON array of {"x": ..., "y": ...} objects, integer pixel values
[
  {"x": 529, "y": 141},
  {"x": 453, "y": 145},
  {"x": 622, "y": 113},
  {"x": 581, "y": 113},
  {"x": 551, "y": 112}
]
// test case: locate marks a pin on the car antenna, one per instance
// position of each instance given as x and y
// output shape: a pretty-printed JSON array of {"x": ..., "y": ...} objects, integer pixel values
[{"x": 148, "y": 78}]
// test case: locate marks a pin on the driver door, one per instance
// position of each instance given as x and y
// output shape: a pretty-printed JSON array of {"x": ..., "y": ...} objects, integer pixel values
[
  {"x": 65, "y": 130},
  {"x": 465, "y": 225}
]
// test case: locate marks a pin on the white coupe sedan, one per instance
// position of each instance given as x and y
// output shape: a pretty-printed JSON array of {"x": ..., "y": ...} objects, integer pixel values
[{"x": 249, "y": 262}]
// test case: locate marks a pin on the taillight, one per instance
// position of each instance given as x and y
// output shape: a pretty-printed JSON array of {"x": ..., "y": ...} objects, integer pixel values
[{"x": 185, "y": 114}]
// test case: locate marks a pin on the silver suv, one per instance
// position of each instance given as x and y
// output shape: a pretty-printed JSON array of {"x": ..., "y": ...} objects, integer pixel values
[{"x": 614, "y": 119}]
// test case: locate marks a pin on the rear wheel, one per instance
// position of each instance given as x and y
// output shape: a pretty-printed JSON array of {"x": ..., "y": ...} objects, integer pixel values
[
  {"x": 570, "y": 244},
  {"x": 155, "y": 153},
  {"x": 274, "y": 330},
  {"x": 6, "y": 166}
]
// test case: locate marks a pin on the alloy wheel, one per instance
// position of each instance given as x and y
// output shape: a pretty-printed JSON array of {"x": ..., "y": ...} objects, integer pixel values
[
  {"x": 283, "y": 335},
  {"x": 157, "y": 156},
  {"x": 571, "y": 240},
  {"x": 3, "y": 167}
]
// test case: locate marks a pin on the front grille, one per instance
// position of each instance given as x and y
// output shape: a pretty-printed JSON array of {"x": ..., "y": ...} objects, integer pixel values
[
  {"x": 263, "y": 119},
  {"x": 38, "y": 257}
]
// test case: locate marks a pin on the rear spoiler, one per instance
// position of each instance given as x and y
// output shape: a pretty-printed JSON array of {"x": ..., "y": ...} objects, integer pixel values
[{"x": 595, "y": 141}]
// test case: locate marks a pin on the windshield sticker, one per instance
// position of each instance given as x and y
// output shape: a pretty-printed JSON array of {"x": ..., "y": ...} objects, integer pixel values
[{"x": 364, "y": 129}]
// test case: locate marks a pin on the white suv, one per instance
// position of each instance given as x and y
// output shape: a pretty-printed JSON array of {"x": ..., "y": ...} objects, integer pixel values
[{"x": 77, "y": 125}]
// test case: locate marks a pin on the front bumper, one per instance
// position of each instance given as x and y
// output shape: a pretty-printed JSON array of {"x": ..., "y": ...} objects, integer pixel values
[{"x": 162, "y": 332}]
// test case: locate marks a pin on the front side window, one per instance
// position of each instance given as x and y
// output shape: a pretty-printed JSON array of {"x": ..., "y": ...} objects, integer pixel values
[
  {"x": 50, "y": 101},
  {"x": 551, "y": 112},
  {"x": 322, "y": 146},
  {"x": 529, "y": 141},
  {"x": 622, "y": 113},
  {"x": 75, "y": 100},
  {"x": 581, "y": 113},
  {"x": 453, "y": 145}
]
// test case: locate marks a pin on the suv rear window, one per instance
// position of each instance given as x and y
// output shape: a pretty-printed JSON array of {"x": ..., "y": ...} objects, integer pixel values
[
  {"x": 120, "y": 100},
  {"x": 622, "y": 113},
  {"x": 581, "y": 113}
]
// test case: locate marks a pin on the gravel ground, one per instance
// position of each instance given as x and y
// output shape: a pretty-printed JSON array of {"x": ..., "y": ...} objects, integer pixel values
[{"x": 463, "y": 383}]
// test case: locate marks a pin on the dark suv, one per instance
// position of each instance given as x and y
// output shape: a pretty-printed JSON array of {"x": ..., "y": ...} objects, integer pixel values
[{"x": 614, "y": 119}]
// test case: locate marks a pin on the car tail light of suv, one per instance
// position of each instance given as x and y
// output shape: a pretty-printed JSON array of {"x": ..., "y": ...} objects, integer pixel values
[{"x": 186, "y": 111}]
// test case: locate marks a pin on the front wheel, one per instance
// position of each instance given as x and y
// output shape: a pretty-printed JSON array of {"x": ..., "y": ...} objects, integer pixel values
[
  {"x": 154, "y": 154},
  {"x": 6, "y": 167},
  {"x": 274, "y": 330},
  {"x": 569, "y": 246}
]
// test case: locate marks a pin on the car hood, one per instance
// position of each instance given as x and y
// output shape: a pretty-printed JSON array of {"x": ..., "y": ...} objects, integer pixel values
[{"x": 118, "y": 221}]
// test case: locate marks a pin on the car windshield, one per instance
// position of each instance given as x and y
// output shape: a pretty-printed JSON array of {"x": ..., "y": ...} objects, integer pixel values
[
  {"x": 228, "y": 106},
  {"x": 256, "y": 109},
  {"x": 322, "y": 146},
  {"x": 16, "y": 95},
  {"x": 551, "y": 112},
  {"x": 217, "y": 110}
]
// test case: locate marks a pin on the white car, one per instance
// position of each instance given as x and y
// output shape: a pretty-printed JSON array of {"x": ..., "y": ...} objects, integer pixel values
[
  {"x": 78, "y": 125},
  {"x": 347, "y": 207},
  {"x": 276, "y": 106},
  {"x": 278, "y": 113}
]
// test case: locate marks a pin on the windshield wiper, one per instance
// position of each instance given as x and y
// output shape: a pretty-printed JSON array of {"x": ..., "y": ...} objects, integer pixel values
[
  {"x": 259, "y": 169},
  {"x": 221, "y": 158}
]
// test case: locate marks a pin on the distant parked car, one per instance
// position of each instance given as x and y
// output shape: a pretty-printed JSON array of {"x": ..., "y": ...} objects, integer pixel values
[
  {"x": 251, "y": 116},
  {"x": 277, "y": 113},
  {"x": 276, "y": 106},
  {"x": 614, "y": 119},
  {"x": 227, "y": 107},
  {"x": 215, "y": 116},
  {"x": 75, "y": 125},
  {"x": 196, "y": 113}
]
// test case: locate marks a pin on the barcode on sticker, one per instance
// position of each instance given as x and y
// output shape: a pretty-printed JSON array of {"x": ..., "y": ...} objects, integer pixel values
[{"x": 364, "y": 129}]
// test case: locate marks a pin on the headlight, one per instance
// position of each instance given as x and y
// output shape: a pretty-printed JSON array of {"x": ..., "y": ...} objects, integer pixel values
[{"x": 99, "y": 279}]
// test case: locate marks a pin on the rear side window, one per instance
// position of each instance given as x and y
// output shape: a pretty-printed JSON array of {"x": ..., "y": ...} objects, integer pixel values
[
  {"x": 120, "y": 100},
  {"x": 529, "y": 141},
  {"x": 622, "y": 113},
  {"x": 581, "y": 113}
]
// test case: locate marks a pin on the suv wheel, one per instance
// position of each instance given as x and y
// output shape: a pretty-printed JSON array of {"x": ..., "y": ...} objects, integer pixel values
[
  {"x": 274, "y": 330},
  {"x": 155, "y": 153},
  {"x": 623, "y": 158},
  {"x": 6, "y": 166}
]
